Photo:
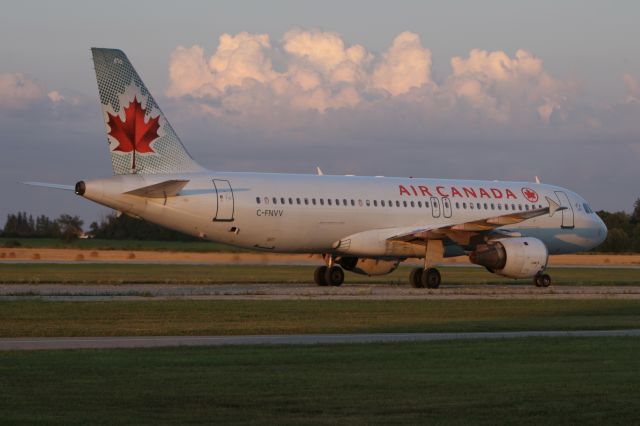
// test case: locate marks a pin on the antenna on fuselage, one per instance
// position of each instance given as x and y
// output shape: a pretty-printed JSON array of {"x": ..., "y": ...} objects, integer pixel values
[
  {"x": 319, "y": 171},
  {"x": 537, "y": 179}
]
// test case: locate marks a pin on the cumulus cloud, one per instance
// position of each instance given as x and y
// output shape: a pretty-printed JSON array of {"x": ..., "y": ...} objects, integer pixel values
[
  {"x": 633, "y": 87},
  {"x": 318, "y": 71},
  {"x": 405, "y": 65},
  {"x": 498, "y": 84},
  {"x": 17, "y": 91}
]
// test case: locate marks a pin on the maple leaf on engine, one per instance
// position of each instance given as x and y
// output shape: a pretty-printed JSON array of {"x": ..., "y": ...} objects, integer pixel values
[{"x": 133, "y": 134}]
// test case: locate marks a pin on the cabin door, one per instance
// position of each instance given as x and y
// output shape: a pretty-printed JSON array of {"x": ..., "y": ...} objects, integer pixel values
[{"x": 224, "y": 201}]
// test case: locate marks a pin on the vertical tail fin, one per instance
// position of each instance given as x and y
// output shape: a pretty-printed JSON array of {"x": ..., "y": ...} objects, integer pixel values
[{"x": 141, "y": 140}]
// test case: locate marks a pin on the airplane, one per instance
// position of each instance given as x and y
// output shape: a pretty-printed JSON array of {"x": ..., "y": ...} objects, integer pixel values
[{"x": 366, "y": 225}]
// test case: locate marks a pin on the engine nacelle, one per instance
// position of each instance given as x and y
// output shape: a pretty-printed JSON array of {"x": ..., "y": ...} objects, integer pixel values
[
  {"x": 368, "y": 267},
  {"x": 512, "y": 257}
]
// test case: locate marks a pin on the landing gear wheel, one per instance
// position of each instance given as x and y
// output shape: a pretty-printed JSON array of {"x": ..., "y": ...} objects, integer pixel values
[
  {"x": 415, "y": 278},
  {"x": 319, "y": 275},
  {"x": 542, "y": 280},
  {"x": 334, "y": 276},
  {"x": 430, "y": 278}
]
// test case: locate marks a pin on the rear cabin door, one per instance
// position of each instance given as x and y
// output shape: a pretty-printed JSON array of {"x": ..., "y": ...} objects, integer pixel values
[
  {"x": 567, "y": 214},
  {"x": 224, "y": 201}
]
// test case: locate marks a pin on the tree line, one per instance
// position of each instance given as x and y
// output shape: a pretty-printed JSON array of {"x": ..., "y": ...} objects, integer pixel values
[
  {"x": 624, "y": 229},
  {"x": 67, "y": 227}
]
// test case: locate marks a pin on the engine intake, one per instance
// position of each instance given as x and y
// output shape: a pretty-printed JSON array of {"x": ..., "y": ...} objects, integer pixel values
[{"x": 512, "y": 257}]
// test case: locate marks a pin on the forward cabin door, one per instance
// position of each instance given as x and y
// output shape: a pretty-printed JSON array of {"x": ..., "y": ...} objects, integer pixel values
[
  {"x": 567, "y": 214},
  {"x": 224, "y": 201}
]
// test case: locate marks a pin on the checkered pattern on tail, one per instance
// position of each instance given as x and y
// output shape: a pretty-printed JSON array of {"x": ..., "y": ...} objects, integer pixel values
[{"x": 119, "y": 85}]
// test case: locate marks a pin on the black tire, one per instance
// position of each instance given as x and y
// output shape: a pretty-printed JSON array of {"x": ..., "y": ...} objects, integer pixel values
[
  {"x": 431, "y": 278},
  {"x": 334, "y": 276},
  {"x": 545, "y": 280},
  {"x": 415, "y": 278},
  {"x": 319, "y": 275},
  {"x": 536, "y": 281}
]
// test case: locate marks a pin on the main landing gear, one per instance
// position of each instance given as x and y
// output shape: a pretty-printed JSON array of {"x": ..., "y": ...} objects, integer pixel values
[
  {"x": 542, "y": 280},
  {"x": 328, "y": 275},
  {"x": 429, "y": 278}
]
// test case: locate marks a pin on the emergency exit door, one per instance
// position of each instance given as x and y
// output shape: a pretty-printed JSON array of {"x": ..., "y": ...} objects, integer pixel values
[{"x": 224, "y": 201}]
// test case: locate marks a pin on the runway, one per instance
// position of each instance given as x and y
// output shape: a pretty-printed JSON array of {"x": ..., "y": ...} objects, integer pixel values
[
  {"x": 147, "y": 292},
  {"x": 50, "y": 343}
]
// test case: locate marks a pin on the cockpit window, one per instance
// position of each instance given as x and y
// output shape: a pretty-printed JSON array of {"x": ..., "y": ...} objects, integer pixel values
[{"x": 587, "y": 208}]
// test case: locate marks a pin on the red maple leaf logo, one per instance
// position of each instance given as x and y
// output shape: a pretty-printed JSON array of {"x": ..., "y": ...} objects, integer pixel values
[
  {"x": 133, "y": 134},
  {"x": 530, "y": 194}
]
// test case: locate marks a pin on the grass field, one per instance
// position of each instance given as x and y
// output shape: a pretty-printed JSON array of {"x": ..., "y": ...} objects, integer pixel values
[
  {"x": 522, "y": 381},
  {"x": 97, "y": 244},
  {"x": 88, "y": 273},
  {"x": 240, "y": 317}
]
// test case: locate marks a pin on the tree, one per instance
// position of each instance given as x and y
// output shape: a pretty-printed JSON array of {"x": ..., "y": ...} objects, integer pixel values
[
  {"x": 635, "y": 216},
  {"x": 70, "y": 227}
]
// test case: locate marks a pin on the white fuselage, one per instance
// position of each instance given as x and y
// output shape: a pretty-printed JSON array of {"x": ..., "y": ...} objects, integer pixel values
[{"x": 310, "y": 213}]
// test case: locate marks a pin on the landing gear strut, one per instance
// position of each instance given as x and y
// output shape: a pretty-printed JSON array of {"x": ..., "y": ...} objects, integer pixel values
[
  {"x": 429, "y": 278},
  {"x": 542, "y": 280}
]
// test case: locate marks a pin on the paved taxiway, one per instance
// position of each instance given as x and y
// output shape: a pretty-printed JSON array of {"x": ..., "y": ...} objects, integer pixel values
[
  {"x": 78, "y": 292},
  {"x": 301, "y": 339}
]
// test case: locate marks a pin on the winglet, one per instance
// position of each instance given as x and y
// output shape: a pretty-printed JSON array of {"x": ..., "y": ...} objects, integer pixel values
[{"x": 554, "y": 207}]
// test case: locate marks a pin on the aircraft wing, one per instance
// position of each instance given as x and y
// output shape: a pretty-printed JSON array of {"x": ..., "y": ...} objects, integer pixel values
[{"x": 461, "y": 232}]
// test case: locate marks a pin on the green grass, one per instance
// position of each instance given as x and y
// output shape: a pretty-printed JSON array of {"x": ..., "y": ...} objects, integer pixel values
[
  {"x": 97, "y": 273},
  {"x": 241, "y": 317},
  {"x": 97, "y": 244},
  {"x": 522, "y": 381}
]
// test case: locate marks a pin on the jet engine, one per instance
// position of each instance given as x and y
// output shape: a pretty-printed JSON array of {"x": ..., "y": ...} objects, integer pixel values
[
  {"x": 512, "y": 257},
  {"x": 365, "y": 266}
]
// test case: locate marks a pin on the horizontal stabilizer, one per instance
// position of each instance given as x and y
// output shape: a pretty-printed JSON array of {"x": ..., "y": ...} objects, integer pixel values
[
  {"x": 168, "y": 188},
  {"x": 51, "y": 185}
]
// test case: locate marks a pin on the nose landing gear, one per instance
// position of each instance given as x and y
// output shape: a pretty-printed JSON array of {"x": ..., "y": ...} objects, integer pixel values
[{"x": 328, "y": 275}]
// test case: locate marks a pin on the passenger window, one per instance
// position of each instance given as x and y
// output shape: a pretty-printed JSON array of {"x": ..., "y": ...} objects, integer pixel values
[
  {"x": 520, "y": 207},
  {"x": 486, "y": 207},
  {"x": 499, "y": 206},
  {"x": 337, "y": 202},
  {"x": 413, "y": 204},
  {"x": 328, "y": 201},
  {"x": 419, "y": 203},
  {"x": 375, "y": 203},
  {"x": 275, "y": 200},
  {"x": 290, "y": 200},
  {"x": 313, "y": 201},
  {"x": 470, "y": 206},
  {"x": 464, "y": 206},
  {"x": 478, "y": 206},
  {"x": 382, "y": 203},
  {"x": 306, "y": 201},
  {"x": 344, "y": 202},
  {"x": 257, "y": 200},
  {"x": 506, "y": 206},
  {"x": 282, "y": 200},
  {"x": 404, "y": 203},
  {"x": 426, "y": 204},
  {"x": 368, "y": 203},
  {"x": 397, "y": 203},
  {"x": 390, "y": 203},
  {"x": 298, "y": 201},
  {"x": 353, "y": 202},
  {"x": 493, "y": 207},
  {"x": 526, "y": 206},
  {"x": 457, "y": 205}
]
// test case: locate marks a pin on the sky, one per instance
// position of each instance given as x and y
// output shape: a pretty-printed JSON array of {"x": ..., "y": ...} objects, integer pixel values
[{"x": 459, "y": 89}]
